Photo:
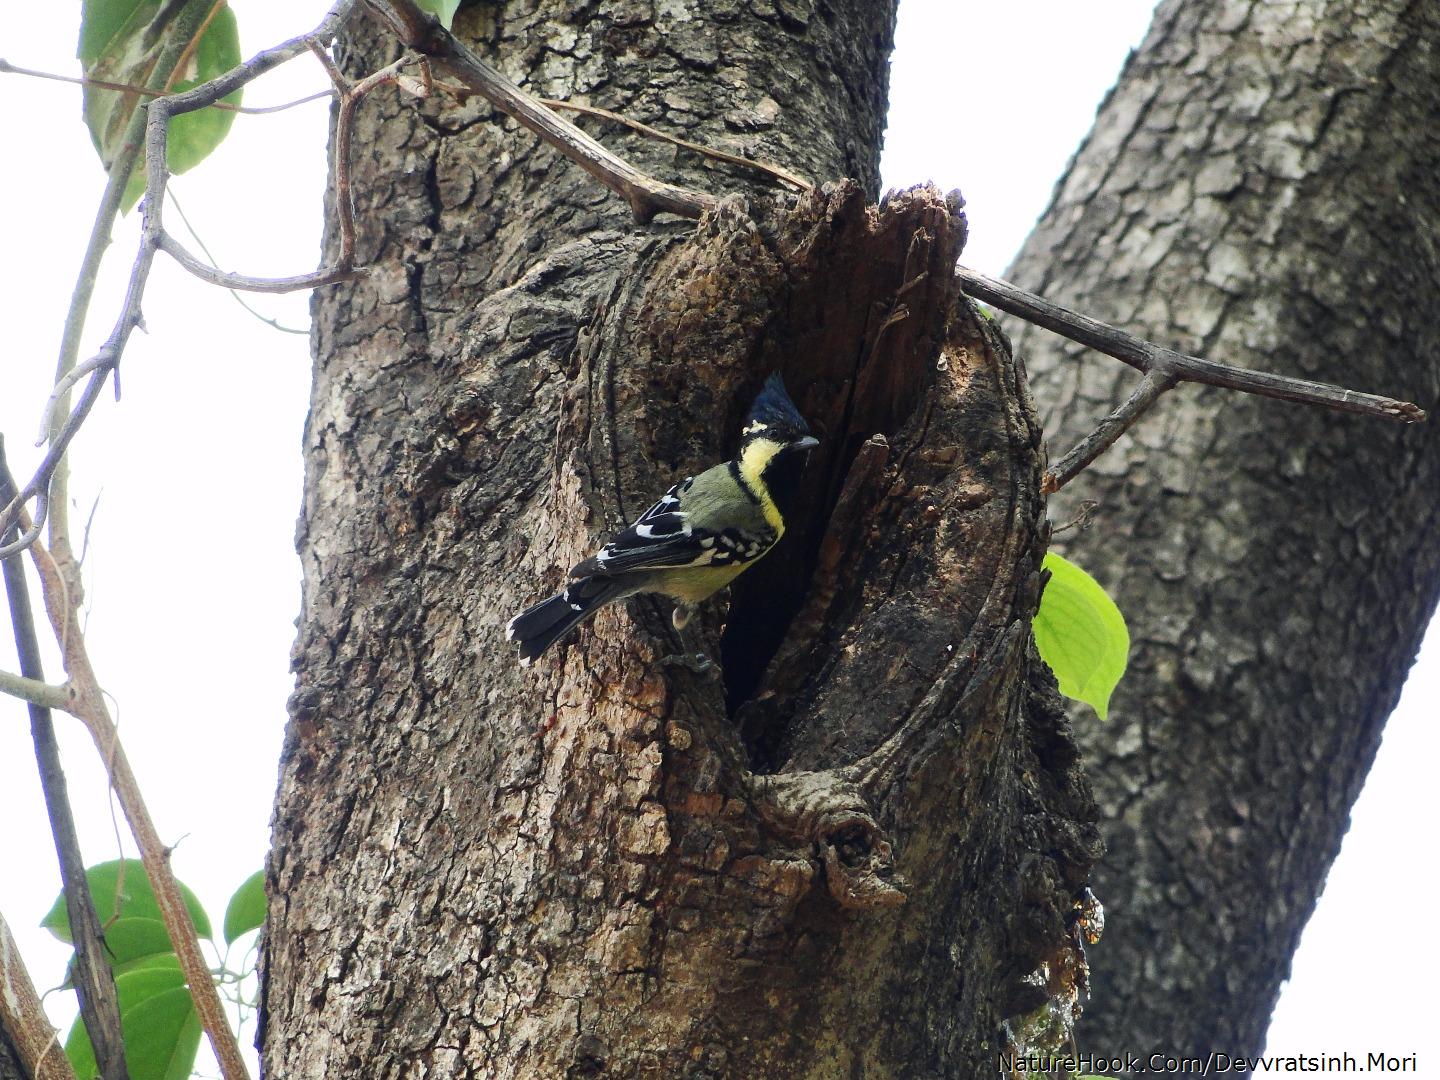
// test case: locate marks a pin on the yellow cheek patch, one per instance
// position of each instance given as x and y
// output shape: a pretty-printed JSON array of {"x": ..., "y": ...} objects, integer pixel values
[{"x": 754, "y": 459}]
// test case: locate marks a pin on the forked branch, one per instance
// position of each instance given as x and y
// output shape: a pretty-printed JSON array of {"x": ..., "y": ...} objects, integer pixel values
[
  {"x": 96, "y": 370},
  {"x": 7, "y": 68},
  {"x": 1163, "y": 369},
  {"x": 86, "y": 699},
  {"x": 36, "y": 691},
  {"x": 94, "y": 981},
  {"x": 89, "y": 706}
]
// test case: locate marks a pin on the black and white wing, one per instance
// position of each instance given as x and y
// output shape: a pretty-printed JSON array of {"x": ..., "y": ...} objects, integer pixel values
[{"x": 665, "y": 536}]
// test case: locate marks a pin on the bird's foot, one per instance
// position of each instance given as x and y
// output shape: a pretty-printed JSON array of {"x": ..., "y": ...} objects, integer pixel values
[{"x": 698, "y": 663}]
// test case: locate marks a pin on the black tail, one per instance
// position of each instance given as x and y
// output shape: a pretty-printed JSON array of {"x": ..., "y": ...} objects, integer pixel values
[{"x": 537, "y": 628}]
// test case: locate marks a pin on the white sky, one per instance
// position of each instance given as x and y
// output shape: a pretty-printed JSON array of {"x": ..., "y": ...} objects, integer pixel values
[{"x": 191, "y": 575}]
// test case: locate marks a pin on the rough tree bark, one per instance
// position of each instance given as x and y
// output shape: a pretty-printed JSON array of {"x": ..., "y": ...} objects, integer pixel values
[
  {"x": 1260, "y": 188},
  {"x": 585, "y": 868},
  {"x": 11, "y": 1065}
]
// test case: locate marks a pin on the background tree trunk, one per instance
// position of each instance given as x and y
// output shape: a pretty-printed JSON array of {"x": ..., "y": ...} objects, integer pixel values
[
  {"x": 1259, "y": 188},
  {"x": 581, "y": 868}
]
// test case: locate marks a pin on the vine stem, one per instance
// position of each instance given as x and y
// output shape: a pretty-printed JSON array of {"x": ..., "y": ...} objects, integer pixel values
[
  {"x": 94, "y": 981},
  {"x": 90, "y": 709}
]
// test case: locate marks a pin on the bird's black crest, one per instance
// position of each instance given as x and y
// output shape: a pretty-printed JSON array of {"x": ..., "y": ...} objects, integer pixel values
[{"x": 774, "y": 410}]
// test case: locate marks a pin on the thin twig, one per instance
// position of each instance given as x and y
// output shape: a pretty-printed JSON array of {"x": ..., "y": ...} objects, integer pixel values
[
  {"x": 7, "y": 68},
  {"x": 1163, "y": 369},
  {"x": 332, "y": 70},
  {"x": 94, "y": 981},
  {"x": 313, "y": 280},
  {"x": 274, "y": 324},
  {"x": 89, "y": 703},
  {"x": 158, "y": 115},
  {"x": 344, "y": 126},
  {"x": 1080, "y": 521},
  {"x": 23, "y": 1018},
  {"x": 119, "y": 169},
  {"x": 1107, "y": 431},
  {"x": 647, "y": 196},
  {"x": 90, "y": 708},
  {"x": 344, "y": 269},
  {"x": 783, "y": 175},
  {"x": 56, "y": 402},
  {"x": 177, "y": 71},
  {"x": 35, "y": 691},
  {"x": 351, "y": 94}
]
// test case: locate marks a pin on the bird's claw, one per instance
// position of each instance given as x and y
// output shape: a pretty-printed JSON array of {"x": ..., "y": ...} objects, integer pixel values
[{"x": 698, "y": 663}]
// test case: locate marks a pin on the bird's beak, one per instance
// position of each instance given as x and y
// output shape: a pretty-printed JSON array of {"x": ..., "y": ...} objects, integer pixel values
[{"x": 809, "y": 442}]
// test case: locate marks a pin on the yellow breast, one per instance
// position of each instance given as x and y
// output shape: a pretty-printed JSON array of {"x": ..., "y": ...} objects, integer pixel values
[{"x": 692, "y": 584}]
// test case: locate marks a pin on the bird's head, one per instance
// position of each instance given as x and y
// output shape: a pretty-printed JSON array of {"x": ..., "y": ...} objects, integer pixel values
[
  {"x": 775, "y": 419},
  {"x": 775, "y": 442}
]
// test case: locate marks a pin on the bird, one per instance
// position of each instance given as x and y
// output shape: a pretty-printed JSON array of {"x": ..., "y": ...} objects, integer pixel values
[{"x": 701, "y": 534}]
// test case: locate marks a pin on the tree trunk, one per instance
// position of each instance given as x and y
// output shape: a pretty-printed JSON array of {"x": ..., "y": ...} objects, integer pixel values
[
  {"x": 862, "y": 848},
  {"x": 1260, "y": 188},
  {"x": 12, "y": 1066}
]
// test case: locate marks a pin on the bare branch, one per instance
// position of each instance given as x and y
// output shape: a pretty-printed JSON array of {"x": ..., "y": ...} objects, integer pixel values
[
  {"x": 1163, "y": 368},
  {"x": 274, "y": 324},
  {"x": 36, "y": 691},
  {"x": 205, "y": 272},
  {"x": 350, "y": 97},
  {"x": 177, "y": 71},
  {"x": 7, "y": 68},
  {"x": 337, "y": 78},
  {"x": 1107, "y": 431},
  {"x": 344, "y": 269},
  {"x": 94, "y": 981},
  {"x": 783, "y": 175},
  {"x": 89, "y": 703},
  {"x": 647, "y": 196},
  {"x": 24, "y": 1020},
  {"x": 89, "y": 706},
  {"x": 158, "y": 115},
  {"x": 1145, "y": 356}
]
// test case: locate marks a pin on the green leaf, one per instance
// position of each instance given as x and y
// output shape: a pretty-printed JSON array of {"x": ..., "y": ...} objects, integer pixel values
[
  {"x": 123, "y": 41},
  {"x": 1081, "y": 634},
  {"x": 133, "y": 939},
  {"x": 444, "y": 10},
  {"x": 136, "y": 900},
  {"x": 246, "y": 910},
  {"x": 167, "y": 960},
  {"x": 157, "y": 1022}
]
